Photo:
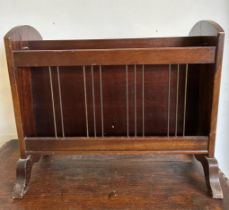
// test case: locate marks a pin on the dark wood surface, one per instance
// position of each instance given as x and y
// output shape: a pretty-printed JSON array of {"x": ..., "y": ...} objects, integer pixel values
[
  {"x": 211, "y": 28},
  {"x": 109, "y": 182},
  {"x": 114, "y": 101},
  {"x": 191, "y": 145},
  {"x": 74, "y": 57},
  {"x": 17, "y": 39},
  {"x": 122, "y": 43},
  {"x": 156, "y": 79}
]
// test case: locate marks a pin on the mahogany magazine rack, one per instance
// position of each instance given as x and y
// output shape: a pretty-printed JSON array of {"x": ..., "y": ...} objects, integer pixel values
[{"x": 116, "y": 96}]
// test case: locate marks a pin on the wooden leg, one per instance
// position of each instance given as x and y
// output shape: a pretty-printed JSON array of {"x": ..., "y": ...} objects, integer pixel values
[
  {"x": 23, "y": 173},
  {"x": 211, "y": 172}
]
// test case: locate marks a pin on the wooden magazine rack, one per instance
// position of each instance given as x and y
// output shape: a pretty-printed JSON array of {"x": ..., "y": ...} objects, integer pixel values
[{"x": 121, "y": 96}]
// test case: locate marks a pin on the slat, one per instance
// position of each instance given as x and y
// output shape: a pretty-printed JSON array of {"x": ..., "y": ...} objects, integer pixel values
[
  {"x": 143, "y": 100},
  {"x": 169, "y": 98},
  {"x": 101, "y": 98},
  {"x": 85, "y": 99},
  {"x": 60, "y": 101},
  {"x": 185, "y": 98},
  {"x": 199, "y": 143},
  {"x": 53, "y": 101},
  {"x": 93, "y": 99},
  {"x": 122, "y": 43},
  {"x": 135, "y": 101},
  {"x": 129, "y": 152},
  {"x": 177, "y": 98},
  {"x": 177, "y": 55},
  {"x": 127, "y": 103}
]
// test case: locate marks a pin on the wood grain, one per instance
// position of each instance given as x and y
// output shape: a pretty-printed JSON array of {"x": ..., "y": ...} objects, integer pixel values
[
  {"x": 198, "y": 144},
  {"x": 123, "y": 43},
  {"x": 102, "y": 182},
  {"x": 17, "y": 38},
  {"x": 127, "y": 56}
]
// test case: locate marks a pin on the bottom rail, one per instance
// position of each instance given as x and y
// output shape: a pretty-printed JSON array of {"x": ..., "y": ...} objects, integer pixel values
[{"x": 105, "y": 145}]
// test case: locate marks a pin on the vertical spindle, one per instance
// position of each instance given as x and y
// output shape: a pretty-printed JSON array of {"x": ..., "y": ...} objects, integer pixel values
[
  {"x": 135, "y": 101},
  {"x": 177, "y": 98},
  {"x": 60, "y": 97},
  {"x": 143, "y": 100},
  {"x": 169, "y": 93},
  {"x": 101, "y": 98},
  {"x": 93, "y": 98},
  {"x": 127, "y": 103},
  {"x": 85, "y": 99},
  {"x": 185, "y": 98},
  {"x": 53, "y": 102}
]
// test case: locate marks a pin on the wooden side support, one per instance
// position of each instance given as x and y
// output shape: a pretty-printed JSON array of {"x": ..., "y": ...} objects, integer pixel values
[
  {"x": 20, "y": 81},
  {"x": 23, "y": 174},
  {"x": 17, "y": 39},
  {"x": 211, "y": 172},
  {"x": 209, "y": 163}
]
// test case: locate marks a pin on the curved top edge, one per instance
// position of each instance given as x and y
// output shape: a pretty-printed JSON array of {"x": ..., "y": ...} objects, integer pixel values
[
  {"x": 27, "y": 32},
  {"x": 23, "y": 33},
  {"x": 206, "y": 28}
]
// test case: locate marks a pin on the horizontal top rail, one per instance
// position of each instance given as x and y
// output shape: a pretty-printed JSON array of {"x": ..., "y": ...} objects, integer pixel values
[
  {"x": 123, "y": 56},
  {"x": 122, "y": 43}
]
